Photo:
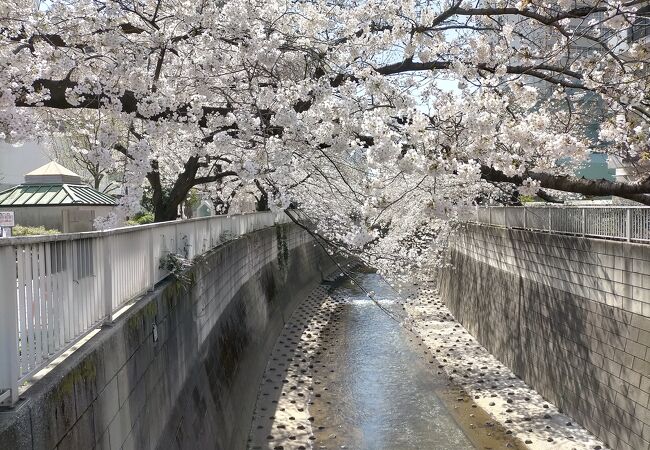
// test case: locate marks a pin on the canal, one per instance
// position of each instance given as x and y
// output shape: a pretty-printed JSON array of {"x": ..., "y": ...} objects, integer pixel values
[{"x": 346, "y": 374}]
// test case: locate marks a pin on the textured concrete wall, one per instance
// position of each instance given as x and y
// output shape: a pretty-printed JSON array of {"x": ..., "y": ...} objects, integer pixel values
[
  {"x": 193, "y": 388},
  {"x": 570, "y": 316}
]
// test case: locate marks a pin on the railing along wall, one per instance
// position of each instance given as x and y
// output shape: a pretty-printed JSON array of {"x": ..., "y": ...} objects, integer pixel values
[
  {"x": 631, "y": 224},
  {"x": 56, "y": 289}
]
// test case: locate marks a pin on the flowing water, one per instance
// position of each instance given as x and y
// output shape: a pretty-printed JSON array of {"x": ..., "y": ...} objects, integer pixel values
[
  {"x": 345, "y": 374},
  {"x": 384, "y": 395}
]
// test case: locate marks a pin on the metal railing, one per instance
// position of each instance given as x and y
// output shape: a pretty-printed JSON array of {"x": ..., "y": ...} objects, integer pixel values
[
  {"x": 607, "y": 222},
  {"x": 56, "y": 289}
]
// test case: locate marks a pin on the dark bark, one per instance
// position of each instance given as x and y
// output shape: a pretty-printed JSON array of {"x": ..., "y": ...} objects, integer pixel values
[
  {"x": 598, "y": 188},
  {"x": 166, "y": 206},
  {"x": 261, "y": 202},
  {"x": 540, "y": 71},
  {"x": 161, "y": 210},
  {"x": 128, "y": 99},
  {"x": 548, "y": 197},
  {"x": 163, "y": 213}
]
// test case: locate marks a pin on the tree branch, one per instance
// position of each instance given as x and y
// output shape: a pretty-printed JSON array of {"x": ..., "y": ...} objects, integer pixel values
[
  {"x": 129, "y": 101},
  {"x": 214, "y": 177},
  {"x": 602, "y": 187},
  {"x": 536, "y": 71}
]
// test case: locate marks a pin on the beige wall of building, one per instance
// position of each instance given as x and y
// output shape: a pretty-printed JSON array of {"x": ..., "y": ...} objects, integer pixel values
[{"x": 67, "y": 219}]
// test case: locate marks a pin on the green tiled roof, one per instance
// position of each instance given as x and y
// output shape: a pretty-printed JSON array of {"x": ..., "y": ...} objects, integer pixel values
[{"x": 54, "y": 195}]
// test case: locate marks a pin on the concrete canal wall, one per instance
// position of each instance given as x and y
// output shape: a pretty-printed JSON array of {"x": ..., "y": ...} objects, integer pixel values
[
  {"x": 181, "y": 368},
  {"x": 569, "y": 315}
]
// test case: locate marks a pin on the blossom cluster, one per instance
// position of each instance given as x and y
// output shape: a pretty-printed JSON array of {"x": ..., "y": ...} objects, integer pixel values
[{"x": 343, "y": 108}]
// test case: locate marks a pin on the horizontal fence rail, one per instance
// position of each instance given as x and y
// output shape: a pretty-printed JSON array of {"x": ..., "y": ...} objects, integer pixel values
[
  {"x": 631, "y": 224},
  {"x": 56, "y": 289}
]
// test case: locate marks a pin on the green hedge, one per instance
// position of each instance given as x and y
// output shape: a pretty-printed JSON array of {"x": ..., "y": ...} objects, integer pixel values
[
  {"x": 141, "y": 219},
  {"x": 20, "y": 230}
]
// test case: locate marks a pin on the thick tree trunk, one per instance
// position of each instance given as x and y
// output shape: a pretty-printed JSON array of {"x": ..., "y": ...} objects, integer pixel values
[
  {"x": 261, "y": 202},
  {"x": 164, "y": 213},
  {"x": 166, "y": 206}
]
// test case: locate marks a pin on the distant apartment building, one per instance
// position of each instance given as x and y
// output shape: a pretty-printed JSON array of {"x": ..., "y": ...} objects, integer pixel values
[
  {"x": 640, "y": 29},
  {"x": 630, "y": 168},
  {"x": 582, "y": 44}
]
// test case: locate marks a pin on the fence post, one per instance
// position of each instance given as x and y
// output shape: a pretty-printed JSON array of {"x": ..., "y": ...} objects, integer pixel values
[
  {"x": 152, "y": 263},
  {"x": 176, "y": 249},
  {"x": 549, "y": 219},
  {"x": 584, "y": 222},
  {"x": 628, "y": 224},
  {"x": 477, "y": 217},
  {"x": 9, "y": 369},
  {"x": 237, "y": 225},
  {"x": 210, "y": 244},
  {"x": 70, "y": 279},
  {"x": 489, "y": 215},
  {"x": 525, "y": 217},
  {"x": 107, "y": 292}
]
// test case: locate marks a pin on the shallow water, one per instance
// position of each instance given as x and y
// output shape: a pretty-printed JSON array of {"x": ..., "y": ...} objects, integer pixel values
[
  {"x": 345, "y": 374},
  {"x": 383, "y": 395}
]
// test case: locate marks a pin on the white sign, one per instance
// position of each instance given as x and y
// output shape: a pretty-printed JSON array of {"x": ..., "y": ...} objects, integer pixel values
[{"x": 6, "y": 218}]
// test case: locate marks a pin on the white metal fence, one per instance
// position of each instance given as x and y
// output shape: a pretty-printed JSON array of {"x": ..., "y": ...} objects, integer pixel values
[
  {"x": 610, "y": 222},
  {"x": 55, "y": 289}
]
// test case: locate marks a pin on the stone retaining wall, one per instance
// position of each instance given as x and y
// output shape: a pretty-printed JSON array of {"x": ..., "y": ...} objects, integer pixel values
[
  {"x": 570, "y": 316},
  {"x": 181, "y": 368}
]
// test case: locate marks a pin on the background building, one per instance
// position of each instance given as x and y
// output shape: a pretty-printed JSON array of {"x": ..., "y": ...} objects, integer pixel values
[{"x": 55, "y": 197}]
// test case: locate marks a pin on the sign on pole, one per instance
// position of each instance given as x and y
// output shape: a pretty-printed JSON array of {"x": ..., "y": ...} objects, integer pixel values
[
  {"x": 6, "y": 218},
  {"x": 6, "y": 223}
]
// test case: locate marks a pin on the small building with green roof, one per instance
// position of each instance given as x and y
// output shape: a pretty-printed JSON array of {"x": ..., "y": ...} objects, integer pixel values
[{"x": 56, "y": 198}]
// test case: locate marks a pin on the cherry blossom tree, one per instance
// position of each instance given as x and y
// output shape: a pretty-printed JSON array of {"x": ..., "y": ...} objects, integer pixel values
[
  {"x": 338, "y": 107},
  {"x": 72, "y": 141}
]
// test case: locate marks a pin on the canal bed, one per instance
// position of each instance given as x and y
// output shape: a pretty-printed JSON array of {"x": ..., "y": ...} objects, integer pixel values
[{"x": 345, "y": 373}]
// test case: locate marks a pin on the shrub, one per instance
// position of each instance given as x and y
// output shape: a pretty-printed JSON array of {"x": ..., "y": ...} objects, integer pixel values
[
  {"x": 178, "y": 267},
  {"x": 20, "y": 230},
  {"x": 141, "y": 219}
]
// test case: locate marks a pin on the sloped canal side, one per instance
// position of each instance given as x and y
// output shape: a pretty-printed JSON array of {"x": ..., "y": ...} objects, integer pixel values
[
  {"x": 488, "y": 382},
  {"x": 345, "y": 374}
]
